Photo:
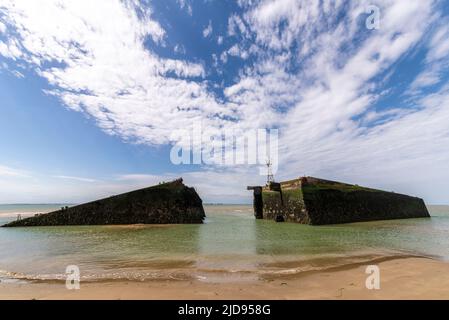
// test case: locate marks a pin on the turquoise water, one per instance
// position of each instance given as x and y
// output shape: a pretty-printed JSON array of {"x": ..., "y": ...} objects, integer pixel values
[{"x": 230, "y": 242}]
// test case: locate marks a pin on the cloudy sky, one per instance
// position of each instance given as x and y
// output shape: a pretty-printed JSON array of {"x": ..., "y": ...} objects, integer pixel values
[{"x": 91, "y": 91}]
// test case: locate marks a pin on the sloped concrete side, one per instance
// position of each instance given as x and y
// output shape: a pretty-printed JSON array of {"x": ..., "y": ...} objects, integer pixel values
[{"x": 168, "y": 203}]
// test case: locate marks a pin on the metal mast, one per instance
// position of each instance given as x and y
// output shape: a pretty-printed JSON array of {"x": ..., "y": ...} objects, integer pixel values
[{"x": 270, "y": 177}]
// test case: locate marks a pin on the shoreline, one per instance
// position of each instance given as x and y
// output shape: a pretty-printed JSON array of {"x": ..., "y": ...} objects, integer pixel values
[{"x": 401, "y": 277}]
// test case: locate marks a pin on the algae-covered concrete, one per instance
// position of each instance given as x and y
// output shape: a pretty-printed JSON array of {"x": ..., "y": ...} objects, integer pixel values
[
  {"x": 167, "y": 203},
  {"x": 316, "y": 201}
]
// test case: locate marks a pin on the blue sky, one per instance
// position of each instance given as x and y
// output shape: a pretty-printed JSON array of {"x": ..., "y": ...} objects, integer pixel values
[{"x": 90, "y": 93}]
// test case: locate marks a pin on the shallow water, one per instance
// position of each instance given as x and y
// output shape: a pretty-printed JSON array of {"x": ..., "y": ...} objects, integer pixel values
[{"x": 230, "y": 242}]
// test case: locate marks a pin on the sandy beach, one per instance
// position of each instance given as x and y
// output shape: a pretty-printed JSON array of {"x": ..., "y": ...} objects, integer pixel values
[{"x": 401, "y": 278}]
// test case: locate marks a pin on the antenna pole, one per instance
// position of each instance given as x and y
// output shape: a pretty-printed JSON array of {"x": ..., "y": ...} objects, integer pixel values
[{"x": 270, "y": 177}]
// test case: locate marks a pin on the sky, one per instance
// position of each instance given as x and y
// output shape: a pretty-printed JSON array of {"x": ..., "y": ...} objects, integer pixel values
[{"x": 91, "y": 93}]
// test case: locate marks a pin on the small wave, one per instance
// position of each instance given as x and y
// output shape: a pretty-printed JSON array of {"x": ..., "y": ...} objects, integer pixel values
[
  {"x": 10, "y": 276},
  {"x": 262, "y": 270}
]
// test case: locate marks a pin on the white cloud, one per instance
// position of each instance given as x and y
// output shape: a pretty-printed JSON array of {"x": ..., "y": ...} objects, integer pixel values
[
  {"x": 184, "y": 4},
  {"x": 9, "y": 172},
  {"x": 139, "y": 177},
  {"x": 224, "y": 57},
  {"x": 437, "y": 59},
  {"x": 179, "y": 48},
  {"x": 106, "y": 72},
  {"x": 208, "y": 30},
  {"x": 80, "y": 179},
  {"x": 10, "y": 50},
  {"x": 425, "y": 79},
  {"x": 236, "y": 26},
  {"x": 236, "y": 51},
  {"x": 439, "y": 44}
]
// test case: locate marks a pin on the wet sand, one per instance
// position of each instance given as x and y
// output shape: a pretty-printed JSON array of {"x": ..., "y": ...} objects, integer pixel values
[{"x": 400, "y": 278}]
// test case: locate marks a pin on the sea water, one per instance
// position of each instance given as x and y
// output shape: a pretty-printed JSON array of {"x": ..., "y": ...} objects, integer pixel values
[{"x": 230, "y": 243}]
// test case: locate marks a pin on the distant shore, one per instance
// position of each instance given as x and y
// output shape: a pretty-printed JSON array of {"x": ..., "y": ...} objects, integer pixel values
[
  {"x": 401, "y": 278},
  {"x": 15, "y": 214},
  {"x": 26, "y": 210}
]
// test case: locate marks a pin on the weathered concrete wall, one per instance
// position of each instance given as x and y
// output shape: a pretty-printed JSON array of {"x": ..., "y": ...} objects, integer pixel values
[
  {"x": 334, "y": 206},
  {"x": 257, "y": 202},
  {"x": 317, "y": 201},
  {"x": 288, "y": 204},
  {"x": 166, "y": 203}
]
